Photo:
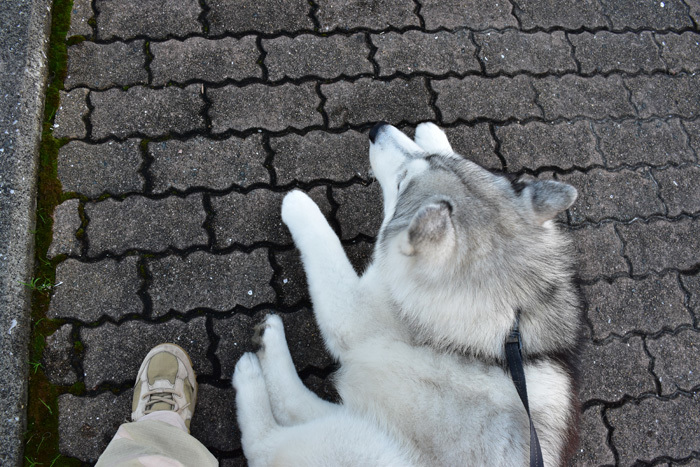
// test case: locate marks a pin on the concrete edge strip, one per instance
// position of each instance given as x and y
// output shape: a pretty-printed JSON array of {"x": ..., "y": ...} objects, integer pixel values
[{"x": 25, "y": 73}]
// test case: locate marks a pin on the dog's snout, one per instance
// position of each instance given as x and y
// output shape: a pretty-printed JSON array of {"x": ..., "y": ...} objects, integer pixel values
[{"x": 375, "y": 130}]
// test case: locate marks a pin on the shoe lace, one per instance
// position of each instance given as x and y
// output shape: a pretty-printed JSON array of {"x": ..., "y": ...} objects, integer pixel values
[{"x": 161, "y": 395}]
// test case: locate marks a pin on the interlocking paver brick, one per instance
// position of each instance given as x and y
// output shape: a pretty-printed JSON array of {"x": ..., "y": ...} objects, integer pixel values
[
  {"x": 95, "y": 169},
  {"x": 203, "y": 162},
  {"x": 593, "y": 447},
  {"x": 201, "y": 59},
  {"x": 326, "y": 57},
  {"x": 654, "y": 428},
  {"x": 290, "y": 281},
  {"x": 359, "y": 253},
  {"x": 681, "y": 52},
  {"x": 662, "y": 95},
  {"x": 646, "y": 14},
  {"x": 92, "y": 290},
  {"x": 157, "y": 19},
  {"x": 678, "y": 188},
  {"x": 692, "y": 285},
  {"x": 416, "y": 51},
  {"x": 475, "y": 143},
  {"x": 113, "y": 353},
  {"x": 145, "y": 224},
  {"x": 233, "y": 462},
  {"x": 303, "y": 338},
  {"x": 573, "y": 96},
  {"x": 513, "y": 51},
  {"x": 195, "y": 116},
  {"x": 360, "y": 209},
  {"x": 632, "y": 142},
  {"x": 204, "y": 280},
  {"x": 324, "y": 388},
  {"x": 266, "y": 16},
  {"x": 66, "y": 222},
  {"x": 563, "y": 145},
  {"x": 622, "y": 195},
  {"x": 214, "y": 420},
  {"x": 472, "y": 14},
  {"x": 477, "y": 97},
  {"x": 87, "y": 424},
  {"x": 234, "y": 333},
  {"x": 254, "y": 217},
  {"x": 150, "y": 112},
  {"x": 369, "y": 101},
  {"x": 694, "y": 7},
  {"x": 320, "y": 155},
  {"x": 659, "y": 244},
  {"x": 692, "y": 128},
  {"x": 378, "y": 14},
  {"x": 604, "y": 52},
  {"x": 101, "y": 66},
  {"x": 274, "y": 108},
  {"x": 79, "y": 17},
  {"x": 72, "y": 110},
  {"x": 57, "y": 356},
  {"x": 674, "y": 360},
  {"x": 599, "y": 251},
  {"x": 615, "y": 369},
  {"x": 567, "y": 14},
  {"x": 646, "y": 305}
]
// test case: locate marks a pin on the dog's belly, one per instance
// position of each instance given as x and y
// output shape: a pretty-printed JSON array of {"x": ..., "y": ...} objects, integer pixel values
[{"x": 452, "y": 410}]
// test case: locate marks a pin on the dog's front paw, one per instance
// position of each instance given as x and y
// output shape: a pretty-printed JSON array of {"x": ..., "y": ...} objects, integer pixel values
[
  {"x": 269, "y": 329},
  {"x": 298, "y": 210},
  {"x": 247, "y": 371}
]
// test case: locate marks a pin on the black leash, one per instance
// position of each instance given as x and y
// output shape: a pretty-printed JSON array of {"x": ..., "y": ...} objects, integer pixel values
[{"x": 517, "y": 373}]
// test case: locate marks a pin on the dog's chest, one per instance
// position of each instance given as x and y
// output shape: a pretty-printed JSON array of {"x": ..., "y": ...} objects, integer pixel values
[{"x": 442, "y": 406}]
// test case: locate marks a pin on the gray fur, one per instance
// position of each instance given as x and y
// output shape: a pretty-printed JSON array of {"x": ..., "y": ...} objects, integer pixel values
[{"x": 420, "y": 334}]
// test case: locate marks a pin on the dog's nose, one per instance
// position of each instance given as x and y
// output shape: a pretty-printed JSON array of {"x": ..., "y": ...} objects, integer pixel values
[{"x": 375, "y": 129}]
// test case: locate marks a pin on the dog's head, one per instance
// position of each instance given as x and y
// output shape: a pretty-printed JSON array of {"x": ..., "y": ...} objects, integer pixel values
[{"x": 462, "y": 247}]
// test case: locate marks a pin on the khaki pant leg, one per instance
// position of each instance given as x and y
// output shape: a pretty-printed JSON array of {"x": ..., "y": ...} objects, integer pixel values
[{"x": 155, "y": 443}]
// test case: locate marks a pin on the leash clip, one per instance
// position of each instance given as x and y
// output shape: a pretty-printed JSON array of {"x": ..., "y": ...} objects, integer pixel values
[
  {"x": 514, "y": 335},
  {"x": 514, "y": 338}
]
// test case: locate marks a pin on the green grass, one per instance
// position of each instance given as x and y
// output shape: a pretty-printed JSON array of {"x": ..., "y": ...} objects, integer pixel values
[
  {"x": 41, "y": 285},
  {"x": 41, "y": 438}
]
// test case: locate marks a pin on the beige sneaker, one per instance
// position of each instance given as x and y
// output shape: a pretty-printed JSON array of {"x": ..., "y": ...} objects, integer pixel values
[{"x": 165, "y": 381}]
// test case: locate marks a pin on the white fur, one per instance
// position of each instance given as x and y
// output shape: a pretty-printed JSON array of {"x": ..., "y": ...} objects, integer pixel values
[
  {"x": 405, "y": 401},
  {"x": 431, "y": 138}
]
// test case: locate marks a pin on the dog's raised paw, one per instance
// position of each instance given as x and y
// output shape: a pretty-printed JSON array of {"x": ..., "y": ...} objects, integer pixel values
[
  {"x": 432, "y": 139},
  {"x": 297, "y": 207}
]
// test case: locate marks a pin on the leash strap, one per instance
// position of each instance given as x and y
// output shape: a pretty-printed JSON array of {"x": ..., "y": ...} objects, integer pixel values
[{"x": 517, "y": 373}]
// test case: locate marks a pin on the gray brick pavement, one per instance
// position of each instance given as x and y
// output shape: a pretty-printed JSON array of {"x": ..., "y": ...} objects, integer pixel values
[
  {"x": 102, "y": 66},
  {"x": 96, "y": 169},
  {"x": 207, "y": 60},
  {"x": 187, "y": 121},
  {"x": 215, "y": 164},
  {"x": 308, "y": 55}
]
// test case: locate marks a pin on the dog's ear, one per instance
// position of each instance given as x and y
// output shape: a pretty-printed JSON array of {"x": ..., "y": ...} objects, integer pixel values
[
  {"x": 548, "y": 198},
  {"x": 431, "y": 227}
]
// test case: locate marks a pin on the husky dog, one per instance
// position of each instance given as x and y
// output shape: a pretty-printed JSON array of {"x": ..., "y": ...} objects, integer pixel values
[{"x": 420, "y": 335}]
